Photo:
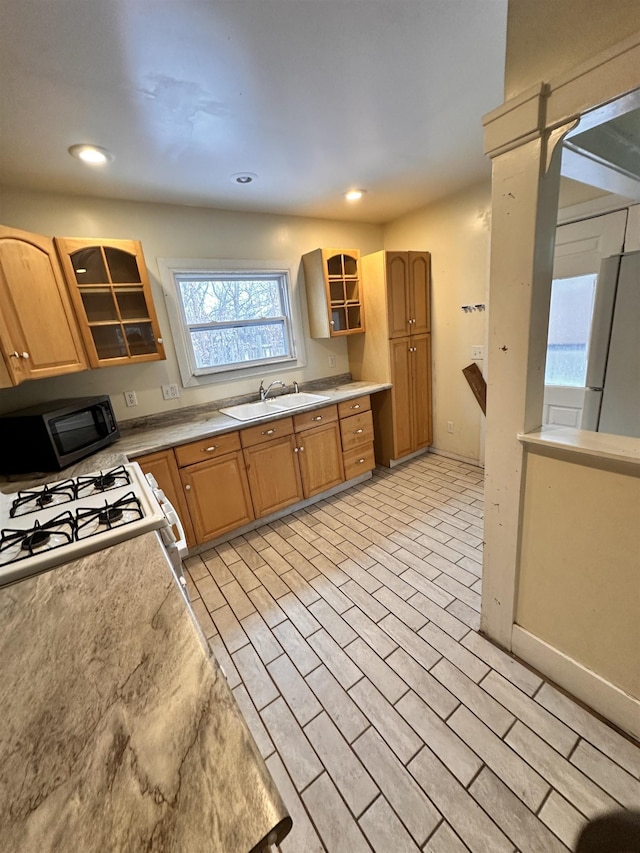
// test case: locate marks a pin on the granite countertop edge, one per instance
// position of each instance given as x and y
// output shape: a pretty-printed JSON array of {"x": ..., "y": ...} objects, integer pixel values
[{"x": 187, "y": 425}]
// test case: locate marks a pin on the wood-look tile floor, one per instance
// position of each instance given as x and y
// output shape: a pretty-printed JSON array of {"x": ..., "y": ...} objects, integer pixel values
[{"x": 348, "y": 633}]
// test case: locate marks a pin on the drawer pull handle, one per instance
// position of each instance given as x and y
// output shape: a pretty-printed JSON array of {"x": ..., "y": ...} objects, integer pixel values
[
  {"x": 267, "y": 432},
  {"x": 209, "y": 449},
  {"x": 357, "y": 406},
  {"x": 357, "y": 431},
  {"x": 360, "y": 461},
  {"x": 317, "y": 418}
]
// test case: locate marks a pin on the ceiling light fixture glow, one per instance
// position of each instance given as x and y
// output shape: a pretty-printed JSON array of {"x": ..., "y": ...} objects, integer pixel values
[
  {"x": 244, "y": 177},
  {"x": 92, "y": 155},
  {"x": 354, "y": 195}
]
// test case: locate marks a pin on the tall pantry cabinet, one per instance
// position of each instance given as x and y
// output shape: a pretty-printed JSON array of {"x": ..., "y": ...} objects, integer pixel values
[{"x": 396, "y": 348}]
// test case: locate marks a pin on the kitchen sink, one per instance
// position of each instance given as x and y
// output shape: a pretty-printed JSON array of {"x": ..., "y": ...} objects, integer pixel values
[
  {"x": 299, "y": 400},
  {"x": 249, "y": 411}
]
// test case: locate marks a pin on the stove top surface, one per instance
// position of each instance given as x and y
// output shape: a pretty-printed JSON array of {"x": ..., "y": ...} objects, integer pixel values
[{"x": 50, "y": 525}]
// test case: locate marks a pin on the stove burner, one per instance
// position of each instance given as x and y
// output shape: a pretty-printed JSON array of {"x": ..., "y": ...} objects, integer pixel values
[
  {"x": 19, "y": 544},
  {"x": 36, "y": 539},
  {"x": 36, "y": 499},
  {"x": 109, "y": 515},
  {"x": 102, "y": 482},
  {"x": 91, "y": 521}
]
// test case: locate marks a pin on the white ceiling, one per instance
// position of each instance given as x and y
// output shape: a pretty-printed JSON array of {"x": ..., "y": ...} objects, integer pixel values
[{"x": 314, "y": 96}]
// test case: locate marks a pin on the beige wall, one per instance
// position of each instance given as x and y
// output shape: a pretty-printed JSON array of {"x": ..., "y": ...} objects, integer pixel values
[
  {"x": 545, "y": 38},
  {"x": 456, "y": 231},
  {"x": 169, "y": 231},
  {"x": 579, "y": 588}
]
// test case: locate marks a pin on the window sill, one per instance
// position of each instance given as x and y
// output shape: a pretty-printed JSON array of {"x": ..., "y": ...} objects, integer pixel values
[{"x": 599, "y": 445}]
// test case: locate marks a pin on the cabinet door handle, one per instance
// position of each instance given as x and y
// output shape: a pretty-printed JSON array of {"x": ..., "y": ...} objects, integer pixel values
[
  {"x": 160, "y": 341},
  {"x": 295, "y": 449},
  {"x": 24, "y": 355},
  {"x": 357, "y": 431},
  {"x": 14, "y": 354},
  {"x": 317, "y": 418},
  {"x": 187, "y": 488},
  {"x": 267, "y": 432},
  {"x": 301, "y": 449},
  {"x": 209, "y": 449}
]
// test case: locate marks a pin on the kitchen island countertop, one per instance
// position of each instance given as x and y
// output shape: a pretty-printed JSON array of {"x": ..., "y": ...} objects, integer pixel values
[{"x": 118, "y": 731}]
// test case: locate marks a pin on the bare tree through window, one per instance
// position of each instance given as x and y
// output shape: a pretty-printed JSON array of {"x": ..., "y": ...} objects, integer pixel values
[{"x": 233, "y": 319}]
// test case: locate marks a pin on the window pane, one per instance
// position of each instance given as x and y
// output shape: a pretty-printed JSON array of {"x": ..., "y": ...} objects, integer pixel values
[
  {"x": 569, "y": 325},
  {"x": 219, "y": 301},
  {"x": 219, "y": 347}
]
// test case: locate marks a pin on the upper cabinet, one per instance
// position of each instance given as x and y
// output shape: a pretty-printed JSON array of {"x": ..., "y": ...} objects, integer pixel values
[
  {"x": 334, "y": 292},
  {"x": 407, "y": 275},
  {"x": 111, "y": 293},
  {"x": 39, "y": 336}
]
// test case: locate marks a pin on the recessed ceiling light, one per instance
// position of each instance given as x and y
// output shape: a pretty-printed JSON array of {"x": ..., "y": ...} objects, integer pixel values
[
  {"x": 354, "y": 195},
  {"x": 92, "y": 155},
  {"x": 244, "y": 177}
]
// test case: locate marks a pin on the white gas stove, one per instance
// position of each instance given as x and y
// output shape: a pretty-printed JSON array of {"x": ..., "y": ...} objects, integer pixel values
[{"x": 53, "y": 524}]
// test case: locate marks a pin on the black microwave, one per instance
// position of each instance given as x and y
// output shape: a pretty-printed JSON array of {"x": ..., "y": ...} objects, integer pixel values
[{"x": 52, "y": 435}]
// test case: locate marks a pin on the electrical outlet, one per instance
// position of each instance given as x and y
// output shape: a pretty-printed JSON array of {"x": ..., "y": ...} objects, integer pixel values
[
  {"x": 332, "y": 361},
  {"x": 477, "y": 353},
  {"x": 449, "y": 426},
  {"x": 130, "y": 398},
  {"x": 170, "y": 392}
]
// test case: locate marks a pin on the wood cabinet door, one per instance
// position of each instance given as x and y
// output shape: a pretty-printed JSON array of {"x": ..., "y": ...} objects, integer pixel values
[
  {"x": 419, "y": 292},
  {"x": 320, "y": 458},
  {"x": 274, "y": 474},
  {"x": 218, "y": 496},
  {"x": 401, "y": 362},
  {"x": 421, "y": 390},
  {"x": 110, "y": 288},
  {"x": 397, "y": 283},
  {"x": 162, "y": 465},
  {"x": 39, "y": 334}
]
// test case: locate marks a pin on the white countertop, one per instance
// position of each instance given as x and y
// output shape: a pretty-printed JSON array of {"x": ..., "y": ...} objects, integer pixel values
[{"x": 619, "y": 448}]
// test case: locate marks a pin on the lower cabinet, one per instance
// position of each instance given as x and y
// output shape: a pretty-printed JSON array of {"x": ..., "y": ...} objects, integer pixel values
[
  {"x": 163, "y": 466},
  {"x": 319, "y": 450},
  {"x": 411, "y": 372},
  {"x": 223, "y": 482},
  {"x": 218, "y": 497}
]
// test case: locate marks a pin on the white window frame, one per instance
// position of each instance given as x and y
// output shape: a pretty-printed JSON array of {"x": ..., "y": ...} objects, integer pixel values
[{"x": 172, "y": 268}]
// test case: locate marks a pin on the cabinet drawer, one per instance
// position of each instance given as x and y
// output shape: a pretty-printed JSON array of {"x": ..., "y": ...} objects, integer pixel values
[
  {"x": 352, "y": 407},
  {"x": 356, "y": 430},
  {"x": 265, "y": 432},
  {"x": 207, "y": 448},
  {"x": 325, "y": 415},
  {"x": 359, "y": 460}
]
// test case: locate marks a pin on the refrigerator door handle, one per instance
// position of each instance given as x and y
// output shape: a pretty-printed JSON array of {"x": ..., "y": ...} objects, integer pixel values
[{"x": 603, "y": 306}]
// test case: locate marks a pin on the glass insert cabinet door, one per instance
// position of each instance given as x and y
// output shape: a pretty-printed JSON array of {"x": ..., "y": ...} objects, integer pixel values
[
  {"x": 334, "y": 292},
  {"x": 112, "y": 297}
]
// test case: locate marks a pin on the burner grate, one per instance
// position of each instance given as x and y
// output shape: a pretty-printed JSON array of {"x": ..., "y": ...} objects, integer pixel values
[
  {"x": 33, "y": 500},
  {"x": 91, "y": 521},
  {"x": 102, "y": 482},
  {"x": 19, "y": 544}
]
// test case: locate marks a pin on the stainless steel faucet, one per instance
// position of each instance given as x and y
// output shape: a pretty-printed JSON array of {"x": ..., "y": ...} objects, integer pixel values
[{"x": 264, "y": 394}]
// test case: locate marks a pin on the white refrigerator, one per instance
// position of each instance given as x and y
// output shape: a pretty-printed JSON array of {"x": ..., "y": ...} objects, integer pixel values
[{"x": 612, "y": 398}]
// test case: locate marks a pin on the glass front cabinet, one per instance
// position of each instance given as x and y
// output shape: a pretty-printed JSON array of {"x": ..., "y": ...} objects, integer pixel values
[
  {"x": 334, "y": 292},
  {"x": 112, "y": 297}
]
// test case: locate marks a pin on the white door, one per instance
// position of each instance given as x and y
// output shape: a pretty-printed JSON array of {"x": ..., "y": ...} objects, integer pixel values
[{"x": 580, "y": 247}]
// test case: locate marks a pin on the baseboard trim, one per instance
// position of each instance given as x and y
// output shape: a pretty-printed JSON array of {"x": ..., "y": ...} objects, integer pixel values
[
  {"x": 590, "y": 688},
  {"x": 455, "y": 456},
  {"x": 421, "y": 452}
]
